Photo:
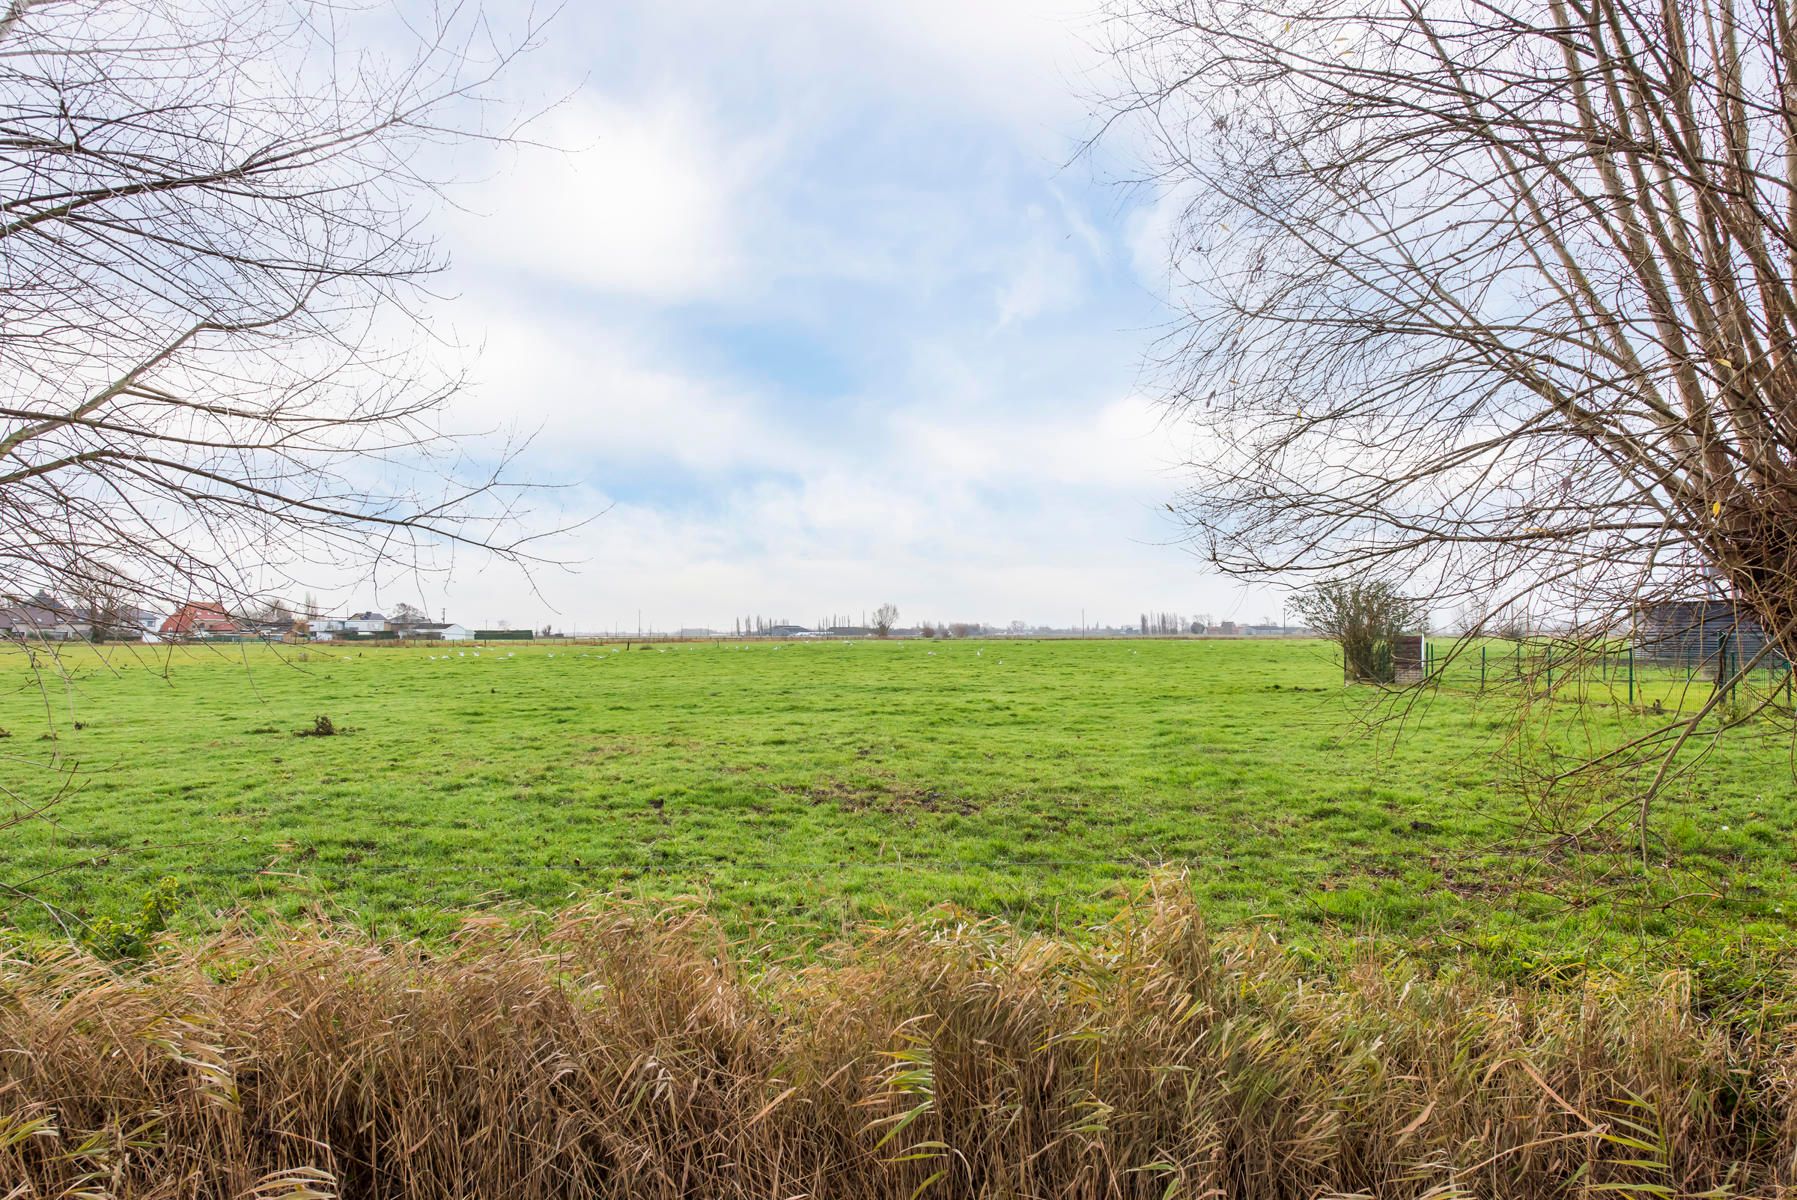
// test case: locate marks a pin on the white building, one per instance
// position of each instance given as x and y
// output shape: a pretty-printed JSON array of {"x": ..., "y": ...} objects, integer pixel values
[{"x": 367, "y": 622}]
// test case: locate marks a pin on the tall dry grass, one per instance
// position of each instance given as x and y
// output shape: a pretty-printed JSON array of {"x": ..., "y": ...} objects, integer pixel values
[{"x": 631, "y": 1055}]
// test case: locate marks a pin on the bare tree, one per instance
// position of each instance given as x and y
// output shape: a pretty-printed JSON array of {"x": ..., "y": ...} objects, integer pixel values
[
  {"x": 269, "y": 610},
  {"x": 210, "y": 232},
  {"x": 408, "y": 614},
  {"x": 106, "y": 611},
  {"x": 885, "y": 617},
  {"x": 1495, "y": 299}
]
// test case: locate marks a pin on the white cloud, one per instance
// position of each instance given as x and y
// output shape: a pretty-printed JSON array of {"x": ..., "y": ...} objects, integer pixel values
[
  {"x": 1022, "y": 61},
  {"x": 1118, "y": 446},
  {"x": 643, "y": 199},
  {"x": 602, "y": 395},
  {"x": 1151, "y": 232},
  {"x": 1045, "y": 278},
  {"x": 881, "y": 182}
]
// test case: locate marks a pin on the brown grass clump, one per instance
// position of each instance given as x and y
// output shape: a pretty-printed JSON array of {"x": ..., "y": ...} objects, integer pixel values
[{"x": 631, "y": 1055}]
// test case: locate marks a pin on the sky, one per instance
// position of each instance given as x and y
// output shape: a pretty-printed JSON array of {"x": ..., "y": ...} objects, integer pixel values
[{"x": 814, "y": 306}]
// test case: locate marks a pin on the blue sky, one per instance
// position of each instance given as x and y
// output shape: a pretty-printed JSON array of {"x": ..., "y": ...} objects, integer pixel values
[{"x": 808, "y": 300}]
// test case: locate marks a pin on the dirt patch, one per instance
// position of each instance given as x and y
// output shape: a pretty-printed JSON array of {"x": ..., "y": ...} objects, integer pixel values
[
  {"x": 609, "y": 748},
  {"x": 894, "y": 799}
]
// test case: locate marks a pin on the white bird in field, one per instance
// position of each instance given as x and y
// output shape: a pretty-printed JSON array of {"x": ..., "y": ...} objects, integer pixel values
[
  {"x": 514, "y": 656},
  {"x": 978, "y": 653}
]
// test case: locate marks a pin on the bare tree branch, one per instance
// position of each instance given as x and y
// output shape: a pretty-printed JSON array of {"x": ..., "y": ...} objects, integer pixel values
[{"x": 216, "y": 375}]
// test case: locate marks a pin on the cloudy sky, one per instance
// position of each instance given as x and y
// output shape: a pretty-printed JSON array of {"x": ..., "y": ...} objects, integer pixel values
[{"x": 810, "y": 301}]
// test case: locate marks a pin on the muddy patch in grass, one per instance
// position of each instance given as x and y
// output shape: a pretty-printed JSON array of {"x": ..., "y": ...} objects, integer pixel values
[{"x": 892, "y": 798}]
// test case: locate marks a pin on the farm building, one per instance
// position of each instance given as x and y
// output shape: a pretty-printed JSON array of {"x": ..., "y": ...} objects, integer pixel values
[
  {"x": 1692, "y": 633},
  {"x": 436, "y": 631},
  {"x": 206, "y": 619}
]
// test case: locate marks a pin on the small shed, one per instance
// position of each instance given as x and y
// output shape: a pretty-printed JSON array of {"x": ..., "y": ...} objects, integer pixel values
[{"x": 1409, "y": 658}]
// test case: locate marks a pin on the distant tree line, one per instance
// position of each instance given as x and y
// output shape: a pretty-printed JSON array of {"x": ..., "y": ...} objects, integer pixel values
[{"x": 952, "y": 629}]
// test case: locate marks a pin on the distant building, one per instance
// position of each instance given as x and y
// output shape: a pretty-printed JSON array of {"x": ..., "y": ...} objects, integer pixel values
[
  {"x": 273, "y": 629},
  {"x": 788, "y": 631},
  {"x": 206, "y": 619},
  {"x": 435, "y": 631},
  {"x": 1695, "y": 633},
  {"x": 43, "y": 618},
  {"x": 367, "y": 622},
  {"x": 850, "y": 631}
]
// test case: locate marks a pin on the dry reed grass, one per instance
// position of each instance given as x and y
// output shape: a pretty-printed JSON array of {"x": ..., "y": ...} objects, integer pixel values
[{"x": 632, "y": 1055}]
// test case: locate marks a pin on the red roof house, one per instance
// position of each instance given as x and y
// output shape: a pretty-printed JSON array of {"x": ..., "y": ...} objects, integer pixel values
[{"x": 206, "y": 619}]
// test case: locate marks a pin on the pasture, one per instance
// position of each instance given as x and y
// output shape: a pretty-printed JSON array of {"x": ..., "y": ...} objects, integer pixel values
[{"x": 801, "y": 789}]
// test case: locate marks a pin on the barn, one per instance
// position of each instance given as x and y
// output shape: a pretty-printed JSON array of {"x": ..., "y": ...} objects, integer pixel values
[{"x": 1695, "y": 633}]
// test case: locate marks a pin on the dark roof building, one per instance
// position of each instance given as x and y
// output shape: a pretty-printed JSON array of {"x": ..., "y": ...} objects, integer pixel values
[
  {"x": 42, "y": 617},
  {"x": 1698, "y": 633}
]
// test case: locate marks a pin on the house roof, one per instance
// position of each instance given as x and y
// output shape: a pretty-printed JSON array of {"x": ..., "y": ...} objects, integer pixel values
[
  {"x": 32, "y": 615},
  {"x": 203, "y": 615}
]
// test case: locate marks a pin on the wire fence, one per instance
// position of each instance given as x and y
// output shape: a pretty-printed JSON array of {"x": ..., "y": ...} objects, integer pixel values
[{"x": 1682, "y": 677}]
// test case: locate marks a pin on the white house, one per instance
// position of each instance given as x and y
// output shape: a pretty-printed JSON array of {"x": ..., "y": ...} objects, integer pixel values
[{"x": 367, "y": 622}]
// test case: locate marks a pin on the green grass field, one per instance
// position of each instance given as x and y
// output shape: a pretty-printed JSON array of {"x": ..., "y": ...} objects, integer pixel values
[{"x": 813, "y": 786}]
